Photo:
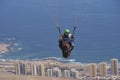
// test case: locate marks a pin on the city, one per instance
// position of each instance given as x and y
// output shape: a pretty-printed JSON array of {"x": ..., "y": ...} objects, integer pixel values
[{"x": 54, "y": 70}]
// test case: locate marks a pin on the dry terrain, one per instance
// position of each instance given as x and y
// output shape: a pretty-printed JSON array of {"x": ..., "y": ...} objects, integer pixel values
[{"x": 20, "y": 77}]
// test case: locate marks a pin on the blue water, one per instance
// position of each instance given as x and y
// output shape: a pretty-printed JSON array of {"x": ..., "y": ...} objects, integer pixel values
[{"x": 33, "y": 24}]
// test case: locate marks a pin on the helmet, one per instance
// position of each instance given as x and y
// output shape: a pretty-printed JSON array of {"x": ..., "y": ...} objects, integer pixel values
[{"x": 67, "y": 31}]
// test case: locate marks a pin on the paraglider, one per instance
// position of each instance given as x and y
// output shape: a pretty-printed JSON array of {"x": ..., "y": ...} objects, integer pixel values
[{"x": 66, "y": 41}]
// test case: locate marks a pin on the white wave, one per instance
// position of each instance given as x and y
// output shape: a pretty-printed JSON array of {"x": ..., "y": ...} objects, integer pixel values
[
  {"x": 67, "y": 60},
  {"x": 50, "y": 58},
  {"x": 59, "y": 59},
  {"x": 16, "y": 44},
  {"x": 12, "y": 38},
  {"x": 19, "y": 49},
  {"x": 9, "y": 38},
  {"x": 36, "y": 59},
  {"x": 3, "y": 60},
  {"x": 76, "y": 62}
]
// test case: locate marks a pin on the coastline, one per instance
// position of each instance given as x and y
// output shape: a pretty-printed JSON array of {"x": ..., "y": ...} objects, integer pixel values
[
  {"x": 4, "y": 48},
  {"x": 39, "y": 69}
]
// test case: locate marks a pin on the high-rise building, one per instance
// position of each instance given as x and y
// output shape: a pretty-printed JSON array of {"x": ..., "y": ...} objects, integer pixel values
[
  {"x": 34, "y": 69},
  {"x": 28, "y": 68},
  {"x": 66, "y": 73},
  {"x": 103, "y": 69},
  {"x": 39, "y": 71},
  {"x": 42, "y": 70},
  {"x": 20, "y": 68},
  {"x": 49, "y": 72},
  {"x": 17, "y": 67},
  {"x": 77, "y": 75},
  {"x": 92, "y": 69},
  {"x": 74, "y": 73},
  {"x": 114, "y": 66},
  {"x": 57, "y": 72}
]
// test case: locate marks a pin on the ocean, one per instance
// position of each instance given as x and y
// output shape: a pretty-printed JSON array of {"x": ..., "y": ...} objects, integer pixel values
[{"x": 31, "y": 26}]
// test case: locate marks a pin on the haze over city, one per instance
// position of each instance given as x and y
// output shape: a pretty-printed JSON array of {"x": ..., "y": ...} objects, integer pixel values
[{"x": 29, "y": 38}]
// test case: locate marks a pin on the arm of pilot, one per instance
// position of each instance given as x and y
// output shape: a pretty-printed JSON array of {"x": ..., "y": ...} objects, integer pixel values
[
  {"x": 60, "y": 37},
  {"x": 71, "y": 37}
]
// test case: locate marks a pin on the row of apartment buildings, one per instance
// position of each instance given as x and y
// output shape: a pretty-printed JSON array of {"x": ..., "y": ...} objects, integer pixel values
[{"x": 92, "y": 70}]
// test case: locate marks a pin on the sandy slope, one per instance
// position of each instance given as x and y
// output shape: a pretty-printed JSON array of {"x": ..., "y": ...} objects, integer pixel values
[{"x": 18, "y": 77}]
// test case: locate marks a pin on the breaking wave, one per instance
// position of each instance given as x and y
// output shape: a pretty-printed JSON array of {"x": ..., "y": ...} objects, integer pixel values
[{"x": 59, "y": 59}]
